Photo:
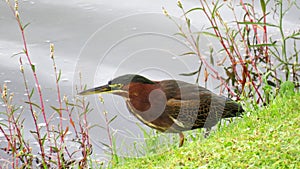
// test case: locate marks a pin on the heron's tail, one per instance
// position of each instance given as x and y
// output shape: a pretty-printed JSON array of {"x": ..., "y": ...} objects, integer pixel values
[{"x": 232, "y": 109}]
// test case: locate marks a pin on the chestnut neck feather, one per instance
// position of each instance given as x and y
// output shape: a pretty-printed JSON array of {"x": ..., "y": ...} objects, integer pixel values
[{"x": 139, "y": 95}]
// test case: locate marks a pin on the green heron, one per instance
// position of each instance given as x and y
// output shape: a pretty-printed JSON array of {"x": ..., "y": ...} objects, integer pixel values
[{"x": 170, "y": 105}]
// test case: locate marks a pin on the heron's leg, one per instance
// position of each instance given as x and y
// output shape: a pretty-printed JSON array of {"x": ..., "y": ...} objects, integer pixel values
[
  {"x": 207, "y": 132},
  {"x": 181, "y": 139}
]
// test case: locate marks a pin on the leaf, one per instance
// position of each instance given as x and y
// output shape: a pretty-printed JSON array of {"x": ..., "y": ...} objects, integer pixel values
[
  {"x": 16, "y": 54},
  {"x": 188, "y": 21},
  {"x": 197, "y": 40},
  {"x": 211, "y": 50},
  {"x": 33, "y": 67},
  {"x": 181, "y": 34},
  {"x": 72, "y": 123},
  {"x": 55, "y": 149},
  {"x": 257, "y": 23},
  {"x": 27, "y": 24},
  {"x": 56, "y": 109},
  {"x": 2, "y": 124},
  {"x": 295, "y": 35},
  {"x": 262, "y": 45},
  {"x": 34, "y": 104},
  {"x": 209, "y": 34},
  {"x": 104, "y": 128},
  {"x": 65, "y": 132},
  {"x": 31, "y": 93},
  {"x": 189, "y": 74},
  {"x": 112, "y": 119},
  {"x": 193, "y": 9},
  {"x": 215, "y": 9},
  {"x": 59, "y": 75},
  {"x": 32, "y": 132},
  {"x": 106, "y": 145},
  {"x": 220, "y": 62},
  {"x": 43, "y": 139},
  {"x": 263, "y": 6},
  {"x": 188, "y": 53}
]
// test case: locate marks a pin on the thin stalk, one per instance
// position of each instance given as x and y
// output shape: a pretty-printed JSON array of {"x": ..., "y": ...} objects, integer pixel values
[
  {"x": 33, "y": 114},
  {"x": 70, "y": 116},
  {"x": 17, "y": 17},
  {"x": 109, "y": 135},
  {"x": 249, "y": 54},
  {"x": 60, "y": 128},
  {"x": 57, "y": 78},
  {"x": 218, "y": 34},
  {"x": 283, "y": 48},
  {"x": 254, "y": 27}
]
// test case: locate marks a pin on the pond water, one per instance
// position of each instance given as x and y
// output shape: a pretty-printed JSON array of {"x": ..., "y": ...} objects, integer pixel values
[{"x": 101, "y": 40}]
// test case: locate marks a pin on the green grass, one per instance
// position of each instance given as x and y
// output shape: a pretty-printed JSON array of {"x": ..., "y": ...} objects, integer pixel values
[{"x": 268, "y": 138}]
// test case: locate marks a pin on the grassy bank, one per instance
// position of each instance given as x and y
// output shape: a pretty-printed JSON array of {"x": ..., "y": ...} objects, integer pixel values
[{"x": 269, "y": 138}]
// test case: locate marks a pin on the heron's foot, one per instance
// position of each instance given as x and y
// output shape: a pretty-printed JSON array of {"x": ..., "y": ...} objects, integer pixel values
[
  {"x": 207, "y": 132},
  {"x": 181, "y": 139}
]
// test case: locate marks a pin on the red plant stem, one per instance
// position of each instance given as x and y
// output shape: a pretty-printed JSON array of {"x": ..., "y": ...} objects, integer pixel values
[
  {"x": 217, "y": 32},
  {"x": 19, "y": 134},
  {"x": 13, "y": 125},
  {"x": 84, "y": 130},
  {"x": 60, "y": 108},
  {"x": 257, "y": 38},
  {"x": 254, "y": 26},
  {"x": 198, "y": 53},
  {"x": 219, "y": 35},
  {"x": 250, "y": 55},
  {"x": 31, "y": 64},
  {"x": 247, "y": 48},
  {"x": 33, "y": 116},
  {"x": 16, "y": 14},
  {"x": 244, "y": 66},
  {"x": 6, "y": 136},
  {"x": 59, "y": 99},
  {"x": 10, "y": 128},
  {"x": 70, "y": 118},
  {"x": 224, "y": 46},
  {"x": 10, "y": 143},
  {"x": 35, "y": 77}
]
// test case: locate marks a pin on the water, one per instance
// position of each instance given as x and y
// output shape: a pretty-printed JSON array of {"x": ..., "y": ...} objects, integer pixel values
[{"x": 101, "y": 40}]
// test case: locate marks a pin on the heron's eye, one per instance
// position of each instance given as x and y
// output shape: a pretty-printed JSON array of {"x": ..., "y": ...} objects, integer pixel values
[{"x": 116, "y": 86}]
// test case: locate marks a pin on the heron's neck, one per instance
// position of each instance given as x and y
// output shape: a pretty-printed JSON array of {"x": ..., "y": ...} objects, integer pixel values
[{"x": 139, "y": 95}]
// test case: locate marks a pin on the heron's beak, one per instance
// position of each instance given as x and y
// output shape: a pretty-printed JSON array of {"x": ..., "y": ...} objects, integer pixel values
[
  {"x": 109, "y": 88},
  {"x": 96, "y": 90}
]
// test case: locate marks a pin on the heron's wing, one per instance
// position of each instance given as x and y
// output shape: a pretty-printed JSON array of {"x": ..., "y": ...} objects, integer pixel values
[
  {"x": 188, "y": 114},
  {"x": 191, "y": 106},
  {"x": 183, "y": 91},
  {"x": 180, "y": 90}
]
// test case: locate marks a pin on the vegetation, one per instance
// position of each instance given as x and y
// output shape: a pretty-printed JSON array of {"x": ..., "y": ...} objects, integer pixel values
[
  {"x": 260, "y": 70},
  {"x": 254, "y": 63},
  {"x": 265, "y": 138},
  {"x": 51, "y": 136}
]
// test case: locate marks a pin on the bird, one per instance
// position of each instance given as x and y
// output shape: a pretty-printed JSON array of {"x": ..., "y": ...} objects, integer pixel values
[{"x": 170, "y": 105}]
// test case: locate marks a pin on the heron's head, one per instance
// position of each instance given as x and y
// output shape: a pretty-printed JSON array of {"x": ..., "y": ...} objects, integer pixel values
[{"x": 118, "y": 85}]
